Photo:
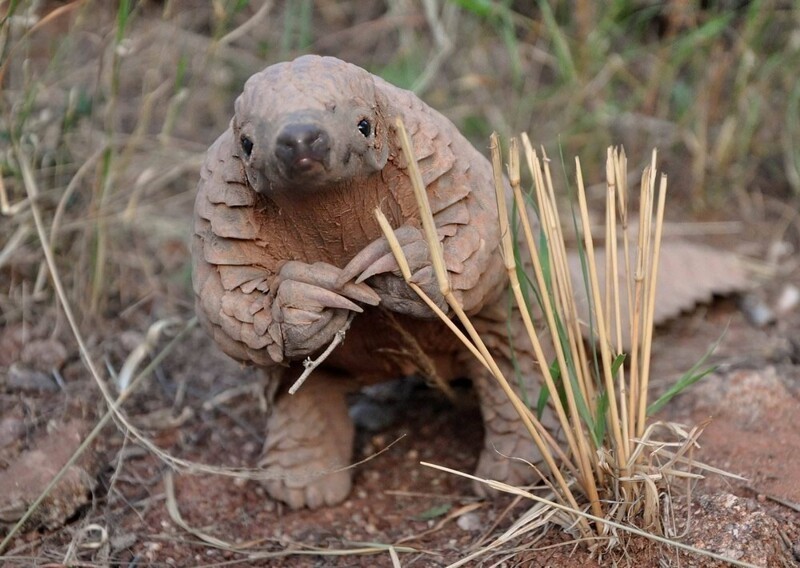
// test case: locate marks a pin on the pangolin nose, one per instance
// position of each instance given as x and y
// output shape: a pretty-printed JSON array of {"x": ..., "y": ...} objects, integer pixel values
[{"x": 302, "y": 145}]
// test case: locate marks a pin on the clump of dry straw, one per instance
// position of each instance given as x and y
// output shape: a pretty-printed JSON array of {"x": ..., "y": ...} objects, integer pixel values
[{"x": 617, "y": 470}]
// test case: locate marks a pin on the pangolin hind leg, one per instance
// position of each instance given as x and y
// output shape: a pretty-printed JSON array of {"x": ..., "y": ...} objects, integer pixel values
[{"x": 508, "y": 448}]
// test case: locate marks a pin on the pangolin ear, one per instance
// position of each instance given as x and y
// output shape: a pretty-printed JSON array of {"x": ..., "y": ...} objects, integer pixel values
[
  {"x": 384, "y": 131},
  {"x": 377, "y": 159}
]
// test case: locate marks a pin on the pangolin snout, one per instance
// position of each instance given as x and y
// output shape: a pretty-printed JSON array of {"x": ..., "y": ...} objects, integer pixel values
[{"x": 302, "y": 147}]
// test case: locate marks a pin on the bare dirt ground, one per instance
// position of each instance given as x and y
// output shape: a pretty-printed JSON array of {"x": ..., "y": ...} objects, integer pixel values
[
  {"x": 116, "y": 505},
  {"x": 204, "y": 408}
]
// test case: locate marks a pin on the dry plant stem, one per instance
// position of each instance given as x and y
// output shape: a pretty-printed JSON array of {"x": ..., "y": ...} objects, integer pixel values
[
  {"x": 612, "y": 289},
  {"x": 590, "y": 472},
  {"x": 113, "y": 405},
  {"x": 638, "y": 295},
  {"x": 4, "y": 207},
  {"x": 71, "y": 187},
  {"x": 14, "y": 241},
  {"x": 620, "y": 165},
  {"x": 564, "y": 305},
  {"x": 565, "y": 291},
  {"x": 627, "y": 528},
  {"x": 310, "y": 365},
  {"x": 439, "y": 268},
  {"x": 527, "y": 418},
  {"x": 54, "y": 14},
  {"x": 548, "y": 308},
  {"x": 443, "y": 43},
  {"x": 405, "y": 270},
  {"x": 614, "y": 426},
  {"x": 643, "y": 255},
  {"x": 141, "y": 351},
  {"x": 561, "y": 290},
  {"x": 580, "y": 449},
  {"x": 551, "y": 234},
  {"x": 428, "y": 224},
  {"x": 651, "y": 301},
  {"x": 250, "y": 24},
  {"x": 584, "y": 453},
  {"x": 508, "y": 257}
]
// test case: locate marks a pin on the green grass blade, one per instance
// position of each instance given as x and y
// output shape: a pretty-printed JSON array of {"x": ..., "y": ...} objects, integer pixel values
[{"x": 689, "y": 378}]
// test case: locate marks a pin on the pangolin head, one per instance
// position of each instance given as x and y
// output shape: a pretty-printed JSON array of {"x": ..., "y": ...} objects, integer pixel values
[{"x": 303, "y": 125}]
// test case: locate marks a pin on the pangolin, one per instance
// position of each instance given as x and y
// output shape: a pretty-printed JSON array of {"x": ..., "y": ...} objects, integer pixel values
[{"x": 286, "y": 248}]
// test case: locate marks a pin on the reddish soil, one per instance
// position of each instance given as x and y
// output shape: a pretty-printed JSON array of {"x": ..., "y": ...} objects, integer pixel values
[
  {"x": 113, "y": 508},
  {"x": 431, "y": 517}
]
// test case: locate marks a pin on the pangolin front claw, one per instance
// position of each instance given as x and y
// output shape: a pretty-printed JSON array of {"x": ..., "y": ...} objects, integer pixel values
[
  {"x": 327, "y": 277},
  {"x": 379, "y": 253}
]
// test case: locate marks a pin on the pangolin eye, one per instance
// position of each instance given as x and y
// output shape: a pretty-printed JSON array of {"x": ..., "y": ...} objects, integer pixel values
[
  {"x": 364, "y": 127},
  {"x": 247, "y": 145}
]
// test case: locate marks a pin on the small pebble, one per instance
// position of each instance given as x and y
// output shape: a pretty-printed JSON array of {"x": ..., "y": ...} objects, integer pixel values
[
  {"x": 756, "y": 310},
  {"x": 788, "y": 300},
  {"x": 398, "y": 390},
  {"x": 11, "y": 430},
  {"x": 25, "y": 379},
  {"x": 43, "y": 354},
  {"x": 470, "y": 522},
  {"x": 371, "y": 415}
]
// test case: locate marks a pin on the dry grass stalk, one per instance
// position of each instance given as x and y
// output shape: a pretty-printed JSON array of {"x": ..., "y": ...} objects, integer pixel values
[
  {"x": 550, "y": 506},
  {"x": 529, "y": 420},
  {"x": 581, "y": 388},
  {"x": 616, "y": 462}
]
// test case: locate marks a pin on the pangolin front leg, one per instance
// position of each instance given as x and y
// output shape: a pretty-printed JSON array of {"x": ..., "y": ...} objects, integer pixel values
[
  {"x": 309, "y": 442},
  {"x": 309, "y": 306},
  {"x": 377, "y": 263}
]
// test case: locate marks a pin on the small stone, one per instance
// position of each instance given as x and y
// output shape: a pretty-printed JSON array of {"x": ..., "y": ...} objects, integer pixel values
[
  {"x": 43, "y": 355},
  {"x": 11, "y": 430},
  {"x": 123, "y": 541},
  {"x": 398, "y": 390},
  {"x": 25, "y": 379},
  {"x": 788, "y": 300},
  {"x": 470, "y": 522},
  {"x": 371, "y": 415},
  {"x": 26, "y": 477},
  {"x": 756, "y": 310}
]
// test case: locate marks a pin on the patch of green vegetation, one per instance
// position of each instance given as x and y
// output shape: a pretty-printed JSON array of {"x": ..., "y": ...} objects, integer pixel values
[
  {"x": 403, "y": 71},
  {"x": 297, "y": 27},
  {"x": 698, "y": 72}
]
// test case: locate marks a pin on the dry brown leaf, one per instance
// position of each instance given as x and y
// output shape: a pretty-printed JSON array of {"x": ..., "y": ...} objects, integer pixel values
[{"x": 689, "y": 274}]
